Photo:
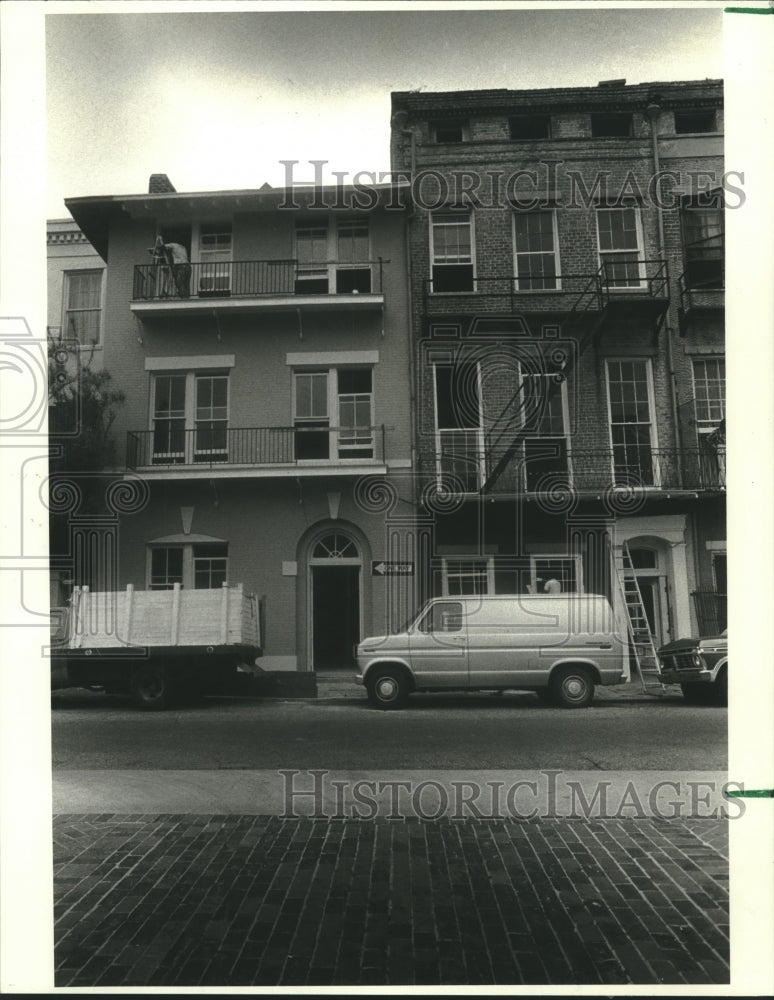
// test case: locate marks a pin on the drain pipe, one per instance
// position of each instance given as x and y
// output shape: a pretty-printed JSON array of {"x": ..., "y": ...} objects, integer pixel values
[
  {"x": 399, "y": 123},
  {"x": 653, "y": 111}
]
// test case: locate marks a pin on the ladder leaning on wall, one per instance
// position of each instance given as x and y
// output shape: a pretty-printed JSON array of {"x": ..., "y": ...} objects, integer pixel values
[{"x": 642, "y": 644}]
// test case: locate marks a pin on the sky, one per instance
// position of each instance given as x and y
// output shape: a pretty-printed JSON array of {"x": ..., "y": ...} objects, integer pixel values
[{"x": 217, "y": 99}]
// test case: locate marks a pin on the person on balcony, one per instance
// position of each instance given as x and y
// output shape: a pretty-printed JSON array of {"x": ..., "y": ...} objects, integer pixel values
[
  {"x": 174, "y": 268},
  {"x": 717, "y": 442}
]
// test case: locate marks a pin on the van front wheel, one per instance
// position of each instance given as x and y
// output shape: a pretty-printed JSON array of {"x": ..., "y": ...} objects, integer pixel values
[
  {"x": 572, "y": 687},
  {"x": 388, "y": 688}
]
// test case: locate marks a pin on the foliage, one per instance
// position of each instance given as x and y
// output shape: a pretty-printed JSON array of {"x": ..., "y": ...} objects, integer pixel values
[{"x": 82, "y": 408}]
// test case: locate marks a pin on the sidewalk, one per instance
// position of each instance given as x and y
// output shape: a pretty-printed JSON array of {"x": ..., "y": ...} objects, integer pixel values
[{"x": 153, "y": 899}]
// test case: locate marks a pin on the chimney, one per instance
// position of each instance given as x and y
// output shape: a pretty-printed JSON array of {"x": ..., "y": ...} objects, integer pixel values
[{"x": 160, "y": 183}]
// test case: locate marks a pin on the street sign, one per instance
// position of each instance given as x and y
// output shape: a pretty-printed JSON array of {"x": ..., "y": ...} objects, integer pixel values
[{"x": 392, "y": 569}]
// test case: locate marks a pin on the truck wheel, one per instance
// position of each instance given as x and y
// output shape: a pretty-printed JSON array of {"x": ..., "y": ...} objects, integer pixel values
[
  {"x": 720, "y": 687},
  {"x": 387, "y": 688},
  {"x": 572, "y": 687},
  {"x": 697, "y": 694},
  {"x": 151, "y": 687}
]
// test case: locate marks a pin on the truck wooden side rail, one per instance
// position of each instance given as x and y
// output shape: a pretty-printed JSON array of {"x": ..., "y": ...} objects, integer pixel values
[{"x": 156, "y": 644}]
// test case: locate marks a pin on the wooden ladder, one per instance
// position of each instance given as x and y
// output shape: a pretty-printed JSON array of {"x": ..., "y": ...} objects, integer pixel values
[{"x": 642, "y": 644}]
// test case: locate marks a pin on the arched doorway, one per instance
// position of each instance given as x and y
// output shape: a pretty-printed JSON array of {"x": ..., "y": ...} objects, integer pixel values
[{"x": 335, "y": 566}]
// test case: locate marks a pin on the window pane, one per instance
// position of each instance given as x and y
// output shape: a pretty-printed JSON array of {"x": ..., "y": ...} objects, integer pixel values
[
  {"x": 457, "y": 396},
  {"x": 210, "y": 562},
  {"x": 166, "y": 568},
  {"x": 354, "y": 380}
]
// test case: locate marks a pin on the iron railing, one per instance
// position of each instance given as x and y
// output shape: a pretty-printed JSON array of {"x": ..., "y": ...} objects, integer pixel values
[
  {"x": 466, "y": 460},
  {"x": 711, "y": 611},
  {"x": 211, "y": 445},
  {"x": 255, "y": 278},
  {"x": 546, "y": 292}
]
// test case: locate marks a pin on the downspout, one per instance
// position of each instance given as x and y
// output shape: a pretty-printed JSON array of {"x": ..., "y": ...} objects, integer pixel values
[
  {"x": 399, "y": 122},
  {"x": 653, "y": 111}
]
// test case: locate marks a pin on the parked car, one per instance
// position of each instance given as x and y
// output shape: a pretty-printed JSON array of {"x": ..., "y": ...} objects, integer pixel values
[
  {"x": 558, "y": 645},
  {"x": 699, "y": 666}
]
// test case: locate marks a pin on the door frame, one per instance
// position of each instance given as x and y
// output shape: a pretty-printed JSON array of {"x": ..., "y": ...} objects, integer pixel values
[{"x": 311, "y": 562}]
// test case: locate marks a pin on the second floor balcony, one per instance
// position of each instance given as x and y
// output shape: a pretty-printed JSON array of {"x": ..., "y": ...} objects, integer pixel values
[
  {"x": 545, "y": 466},
  {"x": 234, "y": 286},
  {"x": 211, "y": 450}
]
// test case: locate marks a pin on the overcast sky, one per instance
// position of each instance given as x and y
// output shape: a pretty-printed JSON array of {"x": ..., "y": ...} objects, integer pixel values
[{"x": 216, "y": 100}]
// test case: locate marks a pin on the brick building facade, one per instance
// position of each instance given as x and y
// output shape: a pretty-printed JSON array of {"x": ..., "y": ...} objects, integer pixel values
[{"x": 567, "y": 306}]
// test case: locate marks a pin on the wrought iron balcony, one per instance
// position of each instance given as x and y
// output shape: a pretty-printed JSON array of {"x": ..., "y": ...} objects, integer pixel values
[
  {"x": 542, "y": 466},
  {"x": 213, "y": 448},
  {"x": 225, "y": 285}
]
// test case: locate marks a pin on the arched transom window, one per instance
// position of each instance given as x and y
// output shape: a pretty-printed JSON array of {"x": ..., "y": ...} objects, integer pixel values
[{"x": 336, "y": 545}]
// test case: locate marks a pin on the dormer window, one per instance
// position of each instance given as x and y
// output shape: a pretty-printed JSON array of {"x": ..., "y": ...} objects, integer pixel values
[
  {"x": 449, "y": 130},
  {"x": 524, "y": 127},
  {"x": 611, "y": 125}
]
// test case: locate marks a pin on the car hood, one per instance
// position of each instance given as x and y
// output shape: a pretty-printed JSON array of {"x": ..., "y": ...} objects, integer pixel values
[{"x": 686, "y": 645}]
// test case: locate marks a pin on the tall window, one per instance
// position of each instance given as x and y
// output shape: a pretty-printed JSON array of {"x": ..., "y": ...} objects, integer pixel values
[
  {"x": 537, "y": 265},
  {"x": 215, "y": 258},
  {"x": 620, "y": 246},
  {"x": 459, "y": 431},
  {"x": 632, "y": 433},
  {"x": 203, "y": 566},
  {"x": 704, "y": 243},
  {"x": 545, "y": 435},
  {"x": 190, "y": 418},
  {"x": 83, "y": 306},
  {"x": 333, "y": 414},
  {"x": 333, "y": 258},
  {"x": 452, "y": 249},
  {"x": 312, "y": 256},
  {"x": 353, "y": 270},
  {"x": 709, "y": 393}
]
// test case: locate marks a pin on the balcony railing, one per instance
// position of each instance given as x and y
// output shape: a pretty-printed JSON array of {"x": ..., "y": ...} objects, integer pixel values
[
  {"x": 211, "y": 446},
  {"x": 255, "y": 279},
  {"x": 544, "y": 465},
  {"x": 593, "y": 291}
]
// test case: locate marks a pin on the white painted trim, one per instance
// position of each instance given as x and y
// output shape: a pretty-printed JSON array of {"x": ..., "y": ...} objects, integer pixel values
[
  {"x": 330, "y": 358},
  {"x": 187, "y": 362},
  {"x": 721, "y": 546}
]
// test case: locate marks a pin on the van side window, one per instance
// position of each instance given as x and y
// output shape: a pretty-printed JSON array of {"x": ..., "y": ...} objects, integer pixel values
[{"x": 445, "y": 616}]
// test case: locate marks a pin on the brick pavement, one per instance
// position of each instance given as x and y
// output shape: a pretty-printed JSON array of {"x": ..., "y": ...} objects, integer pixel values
[{"x": 234, "y": 900}]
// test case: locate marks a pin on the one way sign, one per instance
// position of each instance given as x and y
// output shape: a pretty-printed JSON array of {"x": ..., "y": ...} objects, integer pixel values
[{"x": 392, "y": 569}]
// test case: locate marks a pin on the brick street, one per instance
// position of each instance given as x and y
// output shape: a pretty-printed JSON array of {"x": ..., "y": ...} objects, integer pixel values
[{"x": 238, "y": 900}]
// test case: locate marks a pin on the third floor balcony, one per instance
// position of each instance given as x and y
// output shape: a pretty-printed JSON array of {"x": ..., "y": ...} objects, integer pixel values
[
  {"x": 627, "y": 283},
  {"x": 213, "y": 450},
  {"x": 250, "y": 286}
]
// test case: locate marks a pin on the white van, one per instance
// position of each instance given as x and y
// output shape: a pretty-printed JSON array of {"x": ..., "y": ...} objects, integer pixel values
[{"x": 558, "y": 645}]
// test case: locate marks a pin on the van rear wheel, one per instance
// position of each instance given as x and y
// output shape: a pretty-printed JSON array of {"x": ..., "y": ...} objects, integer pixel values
[
  {"x": 572, "y": 687},
  {"x": 387, "y": 688}
]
